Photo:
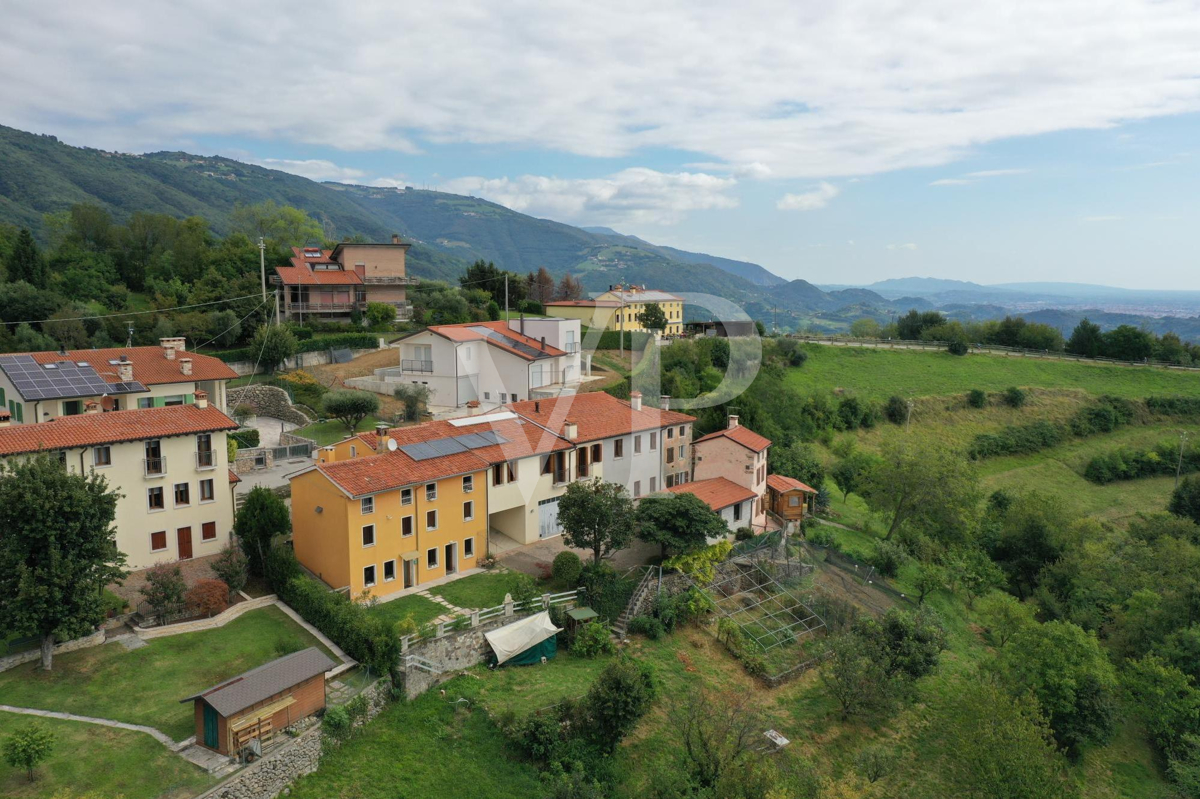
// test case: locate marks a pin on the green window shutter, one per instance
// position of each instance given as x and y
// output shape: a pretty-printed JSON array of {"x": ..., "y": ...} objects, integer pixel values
[
  {"x": 189, "y": 399},
  {"x": 2, "y": 395},
  {"x": 20, "y": 412},
  {"x": 160, "y": 402}
]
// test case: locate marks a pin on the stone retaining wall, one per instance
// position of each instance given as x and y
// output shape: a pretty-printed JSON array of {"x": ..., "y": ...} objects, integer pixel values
[
  {"x": 451, "y": 654},
  {"x": 95, "y": 639},
  {"x": 266, "y": 401},
  {"x": 275, "y": 772},
  {"x": 287, "y": 439},
  {"x": 297, "y": 361}
]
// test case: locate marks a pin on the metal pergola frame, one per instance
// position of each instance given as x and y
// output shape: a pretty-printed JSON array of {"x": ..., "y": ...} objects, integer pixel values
[{"x": 787, "y": 606}]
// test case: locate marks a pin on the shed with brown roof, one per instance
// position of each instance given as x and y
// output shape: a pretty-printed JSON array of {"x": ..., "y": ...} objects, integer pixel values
[{"x": 261, "y": 702}]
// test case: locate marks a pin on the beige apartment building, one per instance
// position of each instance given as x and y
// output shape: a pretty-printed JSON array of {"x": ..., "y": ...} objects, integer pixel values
[
  {"x": 332, "y": 284},
  {"x": 169, "y": 464}
]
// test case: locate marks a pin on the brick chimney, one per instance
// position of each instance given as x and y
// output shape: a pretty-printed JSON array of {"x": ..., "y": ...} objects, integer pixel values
[
  {"x": 91, "y": 406},
  {"x": 201, "y": 398},
  {"x": 635, "y": 400},
  {"x": 172, "y": 345},
  {"x": 733, "y": 420},
  {"x": 664, "y": 402},
  {"x": 169, "y": 351},
  {"x": 185, "y": 365},
  {"x": 381, "y": 436},
  {"x": 395, "y": 238},
  {"x": 570, "y": 430},
  {"x": 125, "y": 369}
]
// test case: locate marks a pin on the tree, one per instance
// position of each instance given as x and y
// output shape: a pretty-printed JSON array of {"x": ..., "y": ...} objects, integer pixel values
[
  {"x": 262, "y": 517},
  {"x": 164, "y": 590},
  {"x": 380, "y": 315},
  {"x": 910, "y": 326},
  {"x": 617, "y": 700},
  {"x": 350, "y": 407},
  {"x": 799, "y": 461},
  {"x": 653, "y": 317},
  {"x": 853, "y": 672},
  {"x": 1166, "y": 702},
  {"x": 1063, "y": 666},
  {"x": 569, "y": 288},
  {"x": 849, "y": 472},
  {"x": 224, "y": 328},
  {"x": 596, "y": 515},
  {"x": 25, "y": 262},
  {"x": 680, "y": 523},
  {"x": 865, "y": 328},
  {"x": 28, "y": 747},
  {"x": 540, "y": 286},
  {"x": 282, "y": 226},
  {"x": 230, "y": 567},
  {"x": 57, "y": 552},
  {"x": 274, "y": 345},
  {"x": 1086, "y": 339},
  {"x": 1003, "y": 616},
  {"x": 925, "y": 483},
  {"x": 996, "y": 745},
  {"x": 1128, "y": 343},
  {"x": 415, "y": 397},
  {"x": 930, "y": 577},
  {"x": 719, "y": 733},
  {"x": 1185, "y": 500},
  {"x": 973, "y": 571}
]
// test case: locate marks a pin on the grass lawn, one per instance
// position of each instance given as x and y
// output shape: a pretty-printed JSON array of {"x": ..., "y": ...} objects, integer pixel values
[
  {"x": 485, "y": 590},
  {"x": 425, "y": 748},
  {"x": 144, "y": 686},
  {"x": 422, "y": 609},
  {"x": 878, "y": 374},
  {"x": 88, "y": 757},
  {"x": 333, "y": 431}
]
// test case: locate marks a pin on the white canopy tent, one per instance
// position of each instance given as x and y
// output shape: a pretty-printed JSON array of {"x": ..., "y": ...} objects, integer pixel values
[{"x": 513, "y": 639}]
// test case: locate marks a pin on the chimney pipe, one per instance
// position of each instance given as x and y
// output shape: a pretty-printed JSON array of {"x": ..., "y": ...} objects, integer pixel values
[
  {"x": 543, "y": 342},
  {"x": 664, "y": 402},
  {"x": 537, "y": 406},
  {"x": 522, "y": 323},
  {"x": 201, "y": 397},
  {"x": 381, "y": 434},
  {"x": 185, "y": 365},
  {"x": 635, "y": 400},
  {"x": 570, "y": 430}
]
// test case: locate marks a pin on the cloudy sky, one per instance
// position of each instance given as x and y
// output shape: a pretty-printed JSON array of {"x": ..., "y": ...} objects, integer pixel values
[{"x": 835, "y": 141}]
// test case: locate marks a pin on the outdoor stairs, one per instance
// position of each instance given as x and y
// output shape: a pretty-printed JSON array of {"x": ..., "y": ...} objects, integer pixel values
[{"x": 639, "y": 593}]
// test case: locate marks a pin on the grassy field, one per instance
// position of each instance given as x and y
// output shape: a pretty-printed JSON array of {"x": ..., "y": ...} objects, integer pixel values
[
  {"x": 478, "y": 591},
  {"x": 333, "y": 431},
  {"x": 423, "y": 610},
  {"x": 878, "y": 374},
  {"x": 110, "y": 762},
  {"x": 144, "y": 686}
]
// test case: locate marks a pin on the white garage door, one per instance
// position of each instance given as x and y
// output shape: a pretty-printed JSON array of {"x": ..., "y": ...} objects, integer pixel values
[{"x": 548, "y": 525}]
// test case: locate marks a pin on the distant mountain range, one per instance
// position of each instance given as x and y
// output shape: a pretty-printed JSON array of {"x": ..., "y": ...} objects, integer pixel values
[{"x": 40, "y": 175}]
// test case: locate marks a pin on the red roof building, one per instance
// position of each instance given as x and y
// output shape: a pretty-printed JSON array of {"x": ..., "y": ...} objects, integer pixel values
[{"x": 331, "y": 284}]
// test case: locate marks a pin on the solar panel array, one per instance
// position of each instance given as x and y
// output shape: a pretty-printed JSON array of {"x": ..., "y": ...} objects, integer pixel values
[
  {"x": 36, "y": 381},
  {"x": 508, "y": 341},
  {"x": 440, "y": 447}
]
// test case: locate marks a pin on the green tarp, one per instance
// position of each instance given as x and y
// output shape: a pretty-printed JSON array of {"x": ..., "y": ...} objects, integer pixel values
[{"x": 533, "y": 655}]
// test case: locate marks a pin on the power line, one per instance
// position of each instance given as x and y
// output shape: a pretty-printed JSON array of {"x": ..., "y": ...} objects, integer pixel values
[
  {"x": 231, "y": 327},
  {"x": 131, "y": 313}
]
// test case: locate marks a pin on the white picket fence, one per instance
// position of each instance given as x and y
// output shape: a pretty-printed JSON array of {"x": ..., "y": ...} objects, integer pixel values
[{"x": 535, "y": 605}]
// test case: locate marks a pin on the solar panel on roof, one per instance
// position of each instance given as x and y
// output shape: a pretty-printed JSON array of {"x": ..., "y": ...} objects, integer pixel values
[
  {"x": 35, "y": 381},
  {"x": 472, "y": 441},
  {"x": 419, "y": 452},
  {"x": 508, "y": 341},
  {"x": 446, "y": 446},
  {"x": 441, "y": 447}
]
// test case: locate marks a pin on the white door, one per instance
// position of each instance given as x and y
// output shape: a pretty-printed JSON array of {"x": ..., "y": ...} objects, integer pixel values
[{"x": 548, "y": 526}]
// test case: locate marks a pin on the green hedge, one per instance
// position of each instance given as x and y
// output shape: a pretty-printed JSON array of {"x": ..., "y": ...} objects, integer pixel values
[
  {"x": 609, "y": 340},
  {"x": 1017, "y": 439},
  {"x": 1174, "y": 406},
  {"x": 337, "y": 341},
  {"x": 246, "y": 438},
  {"x": 364, "y": 637},
  {"x": 1129, "y": 464}
]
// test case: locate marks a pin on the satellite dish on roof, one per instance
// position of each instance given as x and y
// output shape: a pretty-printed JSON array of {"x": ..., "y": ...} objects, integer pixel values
[{"x": 391, "y": 445}]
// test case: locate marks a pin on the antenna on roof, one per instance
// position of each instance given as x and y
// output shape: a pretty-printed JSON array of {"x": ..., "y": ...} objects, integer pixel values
[{"x": 129, "y": 341}]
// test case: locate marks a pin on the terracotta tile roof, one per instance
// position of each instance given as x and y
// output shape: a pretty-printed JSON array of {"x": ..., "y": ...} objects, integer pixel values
[
  {"x": 717, "y": 492},
  {"x": 742, "y": 435},
  {"x": 597, "y": 415},
  {"x": 470, "y": 331},
  {"x": 301, "y": 273},
  {"x": 86, "y": 430},
  {"x": 233, "y": 478},
  {"x": 780, "y": 483},
  {"x": 150, "y": 364}
]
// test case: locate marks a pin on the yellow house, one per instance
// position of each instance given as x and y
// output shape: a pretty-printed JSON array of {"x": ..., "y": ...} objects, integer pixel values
[
  {"x": 619, "y": 307},
  {"x": 387, "y": 515}
]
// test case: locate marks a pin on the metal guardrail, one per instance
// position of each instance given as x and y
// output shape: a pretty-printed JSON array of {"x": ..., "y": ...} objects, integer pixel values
[
  {"x": 534, "y": 605},
  {"x": 206, "y": 459},
  {"x": 391, "y": 280},
  {"x": 415, "y": 365},
  {"x": 154, "y": 467}
]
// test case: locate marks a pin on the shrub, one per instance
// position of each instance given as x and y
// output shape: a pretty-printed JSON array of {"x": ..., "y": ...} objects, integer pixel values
[
  {"x": 896, "y": 409},
  {"x": 336, "y": 722},
  {"x": 675, "y": 611},
  {"x": 743, "y": 534},
  {"x": 567, "y": 568},
  {"x": 888, "y": 557},
  {"x": 648, "y": 626},
  {"x": 822, "y": 536},
  {"x": 230, "y": 567},
  {"x": 593, "y": 639},
  {"x": 1017, "y": 439},
  {"x": 958, "y": 346},
  {"x": 164, "y": 589},
  {"x": 407, "y": 626},
  {"x": 524, "y": 590},
  {"x": 363, "y": 637},
  {"x": 1014, "y": 397},
  {"x": 977, "y": 398},
  {"x": 208, "y": 597},
  {"x": 617, "y": 700},
  {"x": 702, "y": 564},
  {"x": 247, "y": 438},
  {"x": 29, "y": 746},
  {"x": 1174, "y": 406},
  {"x": 745, "y": 650},
  {"x": 604, "y": 591},
  {"x": 350, "y": 407}
]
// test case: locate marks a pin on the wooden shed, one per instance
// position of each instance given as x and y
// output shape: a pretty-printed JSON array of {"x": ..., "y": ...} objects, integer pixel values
[
  {"x": 789, "y": 498},
  {"x": 261, "y": 702}
]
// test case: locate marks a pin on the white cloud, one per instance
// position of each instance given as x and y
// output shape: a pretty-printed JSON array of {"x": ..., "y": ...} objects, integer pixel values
[
  {"x": 818, "y": 197},
  {"x": 1107, "y": 218},
  {"x": 909, "y": 246},
  {"x": 631, "y": 196},
  {"x": 313, "y": 169},
  {"x": 972, "y": 177},
  {"x": 805, "y": 90}
]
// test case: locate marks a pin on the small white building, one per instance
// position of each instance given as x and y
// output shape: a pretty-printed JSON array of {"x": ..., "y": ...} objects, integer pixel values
[
  {"x": 735, "y": 504},
  {"x": 492, "y": 363}
]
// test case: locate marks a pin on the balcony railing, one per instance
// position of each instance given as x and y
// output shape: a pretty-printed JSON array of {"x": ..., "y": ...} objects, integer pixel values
[
  {"x": 326, "y": 307},
  {"x": 571, "y": 347},
  {"x": 391, "y": 280},
  {"x": 411, "y": 365},
  {"x": 154, "y": 467},
  {"x": 206, "y": 459}
]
